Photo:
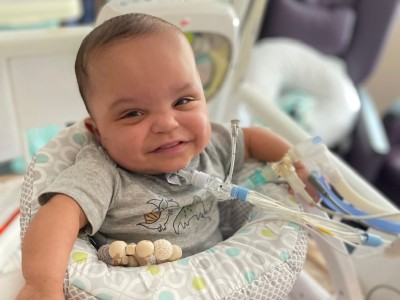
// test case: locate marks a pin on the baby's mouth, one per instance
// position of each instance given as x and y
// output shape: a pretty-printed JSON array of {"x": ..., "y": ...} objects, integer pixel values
[{"x": 168, "y": 146}]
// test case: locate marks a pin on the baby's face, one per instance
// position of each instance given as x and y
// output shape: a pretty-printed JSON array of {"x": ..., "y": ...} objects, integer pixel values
[{"x": 147, "y": 103}]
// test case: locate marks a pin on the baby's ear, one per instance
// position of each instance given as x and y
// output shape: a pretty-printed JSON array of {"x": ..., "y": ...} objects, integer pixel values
[{"x": 92, "y": 127}]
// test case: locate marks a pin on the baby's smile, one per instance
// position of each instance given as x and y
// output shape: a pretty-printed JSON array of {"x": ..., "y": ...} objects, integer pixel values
[{"x": 170, "y": 147}]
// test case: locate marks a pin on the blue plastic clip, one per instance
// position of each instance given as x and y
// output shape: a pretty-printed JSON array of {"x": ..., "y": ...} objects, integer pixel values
[
  {"x": 372, "y": 239},
  {"x": 239, "y": 193}
]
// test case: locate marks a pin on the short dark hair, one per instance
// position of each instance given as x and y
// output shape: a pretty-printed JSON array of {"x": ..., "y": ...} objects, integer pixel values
[{"x": 125, "y": 26}]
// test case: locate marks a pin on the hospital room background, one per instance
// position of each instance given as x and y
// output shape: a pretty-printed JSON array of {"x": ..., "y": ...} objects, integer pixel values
[{"x": 331, "y": 67}]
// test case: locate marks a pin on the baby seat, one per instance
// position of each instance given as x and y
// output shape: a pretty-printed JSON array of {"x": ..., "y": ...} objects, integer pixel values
[{"x": 262, "y": 258}]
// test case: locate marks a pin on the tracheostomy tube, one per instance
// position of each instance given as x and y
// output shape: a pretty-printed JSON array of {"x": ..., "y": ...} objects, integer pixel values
[
  {"x": 225, "y": 191},
  {"x": 221, "y": 190}
]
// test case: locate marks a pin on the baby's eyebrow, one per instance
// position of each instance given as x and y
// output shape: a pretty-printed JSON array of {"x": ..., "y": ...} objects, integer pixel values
[
  {"x": 182, "y": 87},
  {"x": 121, "y": 102}
]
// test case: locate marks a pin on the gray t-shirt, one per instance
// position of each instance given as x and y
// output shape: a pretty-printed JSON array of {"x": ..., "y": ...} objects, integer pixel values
[{"x": 122, "y": 205}]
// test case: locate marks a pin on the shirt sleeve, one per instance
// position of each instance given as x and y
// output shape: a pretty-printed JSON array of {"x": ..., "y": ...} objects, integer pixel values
[{"x": 91, "y": 181}]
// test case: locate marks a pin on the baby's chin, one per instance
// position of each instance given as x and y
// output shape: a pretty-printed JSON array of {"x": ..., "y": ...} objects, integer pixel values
[{"x": 173, "y": 168}]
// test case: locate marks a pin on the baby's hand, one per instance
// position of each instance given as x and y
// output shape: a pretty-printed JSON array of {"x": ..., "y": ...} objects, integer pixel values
[{"x": 303, "y": 173}]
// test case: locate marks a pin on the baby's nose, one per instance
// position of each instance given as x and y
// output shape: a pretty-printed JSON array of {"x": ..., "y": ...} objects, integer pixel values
[{"x": 164, "y": 122}]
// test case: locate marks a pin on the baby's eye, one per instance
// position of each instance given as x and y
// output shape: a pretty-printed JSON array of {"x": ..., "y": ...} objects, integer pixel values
[
  {"x": 132, "y": 114},
  {"x": 183, "y": 101}
]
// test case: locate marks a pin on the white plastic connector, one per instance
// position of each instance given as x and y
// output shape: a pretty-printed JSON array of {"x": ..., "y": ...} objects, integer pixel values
[
  {"x": 285, "y": 169},
  {"x": 313, "y": 149},
  {"x": 203, "y": 180},
  {"x": 235, "y": 127}
]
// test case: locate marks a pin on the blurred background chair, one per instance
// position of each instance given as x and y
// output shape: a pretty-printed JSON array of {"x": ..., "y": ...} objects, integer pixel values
[
  {"x": 354, "y": 31},
  {"x": 389, "y": 175}
]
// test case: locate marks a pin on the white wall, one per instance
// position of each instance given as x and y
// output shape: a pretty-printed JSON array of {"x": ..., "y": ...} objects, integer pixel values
[{"x": 37, "y": 83}]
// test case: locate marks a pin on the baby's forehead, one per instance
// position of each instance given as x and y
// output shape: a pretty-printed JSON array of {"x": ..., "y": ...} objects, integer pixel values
[
  {"x": 134, "y": 47},
  {"x": 153, "y": 36},
  {"x": 128, "y": 52}
]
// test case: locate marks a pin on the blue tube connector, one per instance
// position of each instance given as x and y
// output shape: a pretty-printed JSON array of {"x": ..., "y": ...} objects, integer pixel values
[
  {"x": 239, "y": 193},
  {"x": 372, "y": 240}
]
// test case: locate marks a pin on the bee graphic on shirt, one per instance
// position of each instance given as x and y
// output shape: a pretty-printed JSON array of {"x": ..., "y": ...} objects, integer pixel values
[{"x": 159, "y": 216}]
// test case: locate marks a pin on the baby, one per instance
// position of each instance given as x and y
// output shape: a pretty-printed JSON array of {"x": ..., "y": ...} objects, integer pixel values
[{"x": 137, "y": 76}]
